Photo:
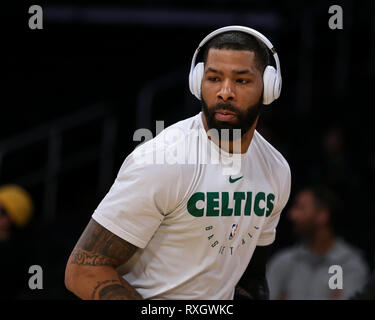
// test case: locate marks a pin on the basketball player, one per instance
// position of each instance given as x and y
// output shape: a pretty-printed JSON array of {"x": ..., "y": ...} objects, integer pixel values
[{"x": 187, "y": 229}]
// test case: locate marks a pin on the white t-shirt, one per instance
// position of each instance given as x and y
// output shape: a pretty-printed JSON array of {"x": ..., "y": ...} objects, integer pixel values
[{"x": 195, "y": 222}]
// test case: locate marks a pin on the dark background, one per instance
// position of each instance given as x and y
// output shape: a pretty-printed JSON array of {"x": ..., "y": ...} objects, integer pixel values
[{"x": 75, "y": 92}]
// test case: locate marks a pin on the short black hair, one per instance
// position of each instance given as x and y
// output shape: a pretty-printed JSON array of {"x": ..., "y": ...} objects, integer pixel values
[{"x": 238, "y": 40}]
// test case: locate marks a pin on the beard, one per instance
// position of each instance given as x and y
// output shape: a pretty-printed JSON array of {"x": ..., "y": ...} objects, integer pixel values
[{"x": 244, "y": 119}]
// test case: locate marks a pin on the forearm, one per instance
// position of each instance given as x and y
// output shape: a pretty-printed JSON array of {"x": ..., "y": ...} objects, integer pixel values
[
  {"x": 255, "y": 289},
  {"x": 258, "y": 288},
  {"x": 96, "y": 281},
  {"x": 254, "y": 281}
]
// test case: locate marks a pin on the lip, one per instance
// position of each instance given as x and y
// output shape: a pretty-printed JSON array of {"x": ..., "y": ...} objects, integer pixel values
[
  {"x": 225, "y": 112},
  {"x": 223, "y": 115}
]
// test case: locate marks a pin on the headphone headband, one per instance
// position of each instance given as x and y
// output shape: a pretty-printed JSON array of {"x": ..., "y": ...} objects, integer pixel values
[{"x": 247, "y": 30}]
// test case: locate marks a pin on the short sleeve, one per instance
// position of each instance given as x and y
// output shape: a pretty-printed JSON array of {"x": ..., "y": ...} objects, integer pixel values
[
  {"x": 268, "y": 234},
  {"x": 139, "y": 199}
]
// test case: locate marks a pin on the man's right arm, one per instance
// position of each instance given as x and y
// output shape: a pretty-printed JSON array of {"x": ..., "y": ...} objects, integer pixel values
[{"x": 91, "y": 269}]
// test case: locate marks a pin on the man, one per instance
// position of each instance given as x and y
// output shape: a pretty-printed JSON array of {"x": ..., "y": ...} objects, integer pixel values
[
  {"x": 303, "y": 271},
  {"x": 187, "y": 229}
]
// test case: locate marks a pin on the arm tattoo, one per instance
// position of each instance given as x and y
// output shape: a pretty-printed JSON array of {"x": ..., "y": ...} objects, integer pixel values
[
  {"x": 112, "y": 292},
  {"x": 98, "y": 247},
  {"x": 115, "y": 290},
  {"x": 85, "y": 258},
  {"x": 100, "y": 283}
]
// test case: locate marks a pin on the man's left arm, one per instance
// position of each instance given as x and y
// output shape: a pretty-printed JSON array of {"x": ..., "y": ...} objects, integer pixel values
[{"x": 253, "y": 283}]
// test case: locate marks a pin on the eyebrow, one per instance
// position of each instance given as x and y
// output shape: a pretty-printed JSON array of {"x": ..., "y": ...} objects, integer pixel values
[
  {"x": 209, "y": 69},
  {"x": 245, "y": 71}
]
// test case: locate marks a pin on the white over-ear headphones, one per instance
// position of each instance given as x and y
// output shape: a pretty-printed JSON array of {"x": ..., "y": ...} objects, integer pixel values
[{"x": 271, "y": 76}]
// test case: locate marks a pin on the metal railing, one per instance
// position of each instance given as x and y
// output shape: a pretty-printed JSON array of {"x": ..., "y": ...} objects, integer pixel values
[{"x": 53, "y": 134}]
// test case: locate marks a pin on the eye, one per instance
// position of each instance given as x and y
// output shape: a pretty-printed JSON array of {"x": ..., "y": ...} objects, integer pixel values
[
  {"x": 213, "y": 79},
  {"x": 243, "y": 81}
]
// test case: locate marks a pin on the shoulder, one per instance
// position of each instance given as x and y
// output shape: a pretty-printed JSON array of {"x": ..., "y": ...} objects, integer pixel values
[
  {"x": 271, "y": 157},
  {"x": 275, "y": 168},
  {"x": 162, "y": 159},
  {"x": 347, "y": 252},
  {"x": 170, "y": 146},
  {"x": 284, "y": 256}
]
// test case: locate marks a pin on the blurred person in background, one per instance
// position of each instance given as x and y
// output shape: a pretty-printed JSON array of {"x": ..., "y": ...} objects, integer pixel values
[
  {"x": 16, "y": 210},
  {"x": 302, "y": 271}
]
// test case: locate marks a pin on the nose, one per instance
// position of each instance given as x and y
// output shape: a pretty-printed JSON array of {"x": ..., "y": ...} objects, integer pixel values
[{"x": 226, "y": 92}]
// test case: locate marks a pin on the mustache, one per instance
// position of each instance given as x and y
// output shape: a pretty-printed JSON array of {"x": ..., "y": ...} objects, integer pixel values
[{"x": 224, "y": 106}]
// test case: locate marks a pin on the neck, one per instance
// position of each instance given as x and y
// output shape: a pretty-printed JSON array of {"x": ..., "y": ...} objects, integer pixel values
[
  {"x": 322, "y": 241},
  {"x": 232, "y": 146}
]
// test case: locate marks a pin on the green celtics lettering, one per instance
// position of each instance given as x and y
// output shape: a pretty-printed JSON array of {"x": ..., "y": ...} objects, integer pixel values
[{"x": 217, "y": 204}]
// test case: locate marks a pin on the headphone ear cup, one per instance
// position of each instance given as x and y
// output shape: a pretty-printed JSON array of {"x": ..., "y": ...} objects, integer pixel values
[
  {"x": 270, "y": 81},
  {"x": 277, "y": 88},
  {"x": 191, "y": 82},
  {"x": 196, "y": 80}
]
